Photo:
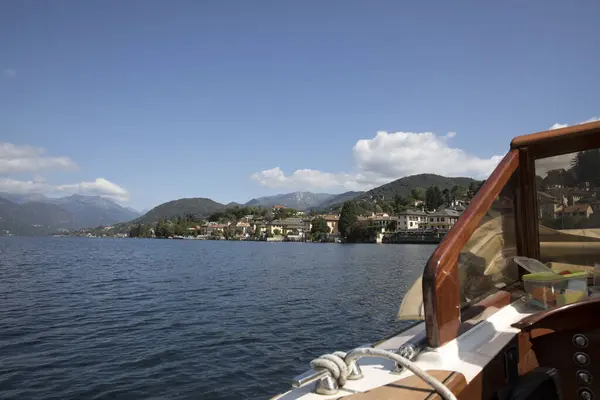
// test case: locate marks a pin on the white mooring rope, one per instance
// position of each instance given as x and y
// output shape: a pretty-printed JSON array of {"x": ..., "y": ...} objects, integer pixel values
[{"x": 338, "y": 365}]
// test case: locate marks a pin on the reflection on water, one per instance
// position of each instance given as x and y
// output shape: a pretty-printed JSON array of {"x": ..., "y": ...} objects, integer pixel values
[{"x": 85, "y": 318}]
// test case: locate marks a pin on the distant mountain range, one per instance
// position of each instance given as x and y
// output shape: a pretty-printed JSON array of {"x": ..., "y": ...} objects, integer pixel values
[
  {"x": 297, "y": 200},
  {"x": 40, "y": 215},
  {"x": 203, "y": 207}
]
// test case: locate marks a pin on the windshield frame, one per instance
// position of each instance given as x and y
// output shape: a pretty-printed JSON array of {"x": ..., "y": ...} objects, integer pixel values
[{"x": 441, "y": 284}]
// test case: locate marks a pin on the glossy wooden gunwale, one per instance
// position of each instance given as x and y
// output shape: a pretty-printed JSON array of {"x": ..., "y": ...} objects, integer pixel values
[
  {"x": 568, "y": 133},
  {"x": 560, "y": 141},
  {"x": 441, "y": 286}
]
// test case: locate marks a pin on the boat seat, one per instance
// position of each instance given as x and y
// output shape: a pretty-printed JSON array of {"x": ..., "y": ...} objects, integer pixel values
[{"x": 542, "y": 383}]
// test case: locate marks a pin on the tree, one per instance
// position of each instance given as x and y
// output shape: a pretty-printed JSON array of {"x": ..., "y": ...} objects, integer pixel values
[
  {"x": 418, "y": 193},
  {"x": 586, "y": 165},
  {"x": 392, "y": 226},
  {"x": 163, "y": 229},
  {"x": 134, "y": 231},
  {"x": 283, "y": 213},
  {"x": 276, "y": 232},
  {"x": 361, "y": 232},
  {"x": 180, "y": 230},
  {"x": 140, "y": 231},
  {"x": 348, "y": 218},
  {"x": 319, "y": 228},
  {"x": 446, "y": 196},
  {"x": 387, "y": 207},
  {"x": 433, "y": 198},
  {"x": 457, "y": 192},
  {"x": 400, "y": 203}
]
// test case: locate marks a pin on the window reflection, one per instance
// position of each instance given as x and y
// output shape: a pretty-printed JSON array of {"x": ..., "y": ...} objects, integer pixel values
[
  {"x": 486, "y": 262},
  {"x": 568, "y": 194}
]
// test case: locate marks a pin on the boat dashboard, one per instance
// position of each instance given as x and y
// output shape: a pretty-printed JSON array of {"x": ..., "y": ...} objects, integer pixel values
[{"x": 568, "y": 339}]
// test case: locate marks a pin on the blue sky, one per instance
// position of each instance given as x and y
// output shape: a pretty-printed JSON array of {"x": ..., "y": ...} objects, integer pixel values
[{"x": 149, "y": 101}]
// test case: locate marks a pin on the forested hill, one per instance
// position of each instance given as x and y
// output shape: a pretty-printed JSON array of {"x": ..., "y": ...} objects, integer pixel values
[
  {"x": 199, "y": 207},
  {"x": 404, "y": 186}
]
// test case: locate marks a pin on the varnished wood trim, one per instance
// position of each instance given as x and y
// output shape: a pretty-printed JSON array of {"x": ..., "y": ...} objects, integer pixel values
[
  {"x": 413, "y": 388},
  {"x": 560, "y": 141},
  {"x": 441, "y": 286},
  {"x": 526, "y": 207},
  {"x": 570, "y": 132},
  {"x": 581, "y": 311},
  {"x": 527, "y": 358},
  {"x": 497, "y": 300}
]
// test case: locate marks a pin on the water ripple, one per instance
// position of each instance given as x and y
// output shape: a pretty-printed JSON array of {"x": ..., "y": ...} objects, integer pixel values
[{"x": 128, "y": 319}]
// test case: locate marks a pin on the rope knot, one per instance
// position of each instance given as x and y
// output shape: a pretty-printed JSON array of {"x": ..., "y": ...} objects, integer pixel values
[{"x": 335, "y": 364}]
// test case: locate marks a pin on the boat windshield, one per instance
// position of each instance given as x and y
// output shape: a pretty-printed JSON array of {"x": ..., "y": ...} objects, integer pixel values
[
  {"x": 568, "y": 198},
  {"x": 486, "y": 262},
  {"x": 567, "y": 209}
]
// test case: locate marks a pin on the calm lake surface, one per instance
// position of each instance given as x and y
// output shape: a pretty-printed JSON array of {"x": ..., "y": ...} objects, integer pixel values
[{"x": 177, "y": 319}]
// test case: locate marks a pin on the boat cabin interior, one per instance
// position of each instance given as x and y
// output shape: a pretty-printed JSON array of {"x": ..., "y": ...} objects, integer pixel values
[{"x": 510, "y": 299}]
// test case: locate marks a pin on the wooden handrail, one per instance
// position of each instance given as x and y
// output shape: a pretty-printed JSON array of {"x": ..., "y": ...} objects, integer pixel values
[
  {"x": 560, "y": 141},
  {"x": 441, "y": 286}
]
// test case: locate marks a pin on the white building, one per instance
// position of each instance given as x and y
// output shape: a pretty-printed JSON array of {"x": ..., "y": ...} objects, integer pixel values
[{"x": 411, "y": 219}]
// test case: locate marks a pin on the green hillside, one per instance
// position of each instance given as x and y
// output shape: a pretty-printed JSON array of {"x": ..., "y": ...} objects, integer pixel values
[
  {"x": 198, "y": 206},
  {"x": 403, "y": 186}
]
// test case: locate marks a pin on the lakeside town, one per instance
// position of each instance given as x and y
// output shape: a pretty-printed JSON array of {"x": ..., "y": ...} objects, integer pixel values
[
  {"x": 281, "y": 224},
  {"x": 566, "y": 200}
]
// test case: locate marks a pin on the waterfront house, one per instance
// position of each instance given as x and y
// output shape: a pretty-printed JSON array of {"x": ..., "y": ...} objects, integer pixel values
[
  {"x": 383, "y": 221},
  {"x": 211, "y": 227},
  {"x": 577, "y": 210},
  {"x": 243, "y": 226},
  {"x": 548, "y": 205},
  {"x": 443, "y": 219},
  {"x": 333, "y": 221},
  {"x": 411, "y": 219},
  {"x": 294, "y": 226}
]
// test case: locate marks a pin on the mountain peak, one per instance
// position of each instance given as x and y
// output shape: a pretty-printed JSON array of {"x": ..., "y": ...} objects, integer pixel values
[{"x": 298, "y": 200}]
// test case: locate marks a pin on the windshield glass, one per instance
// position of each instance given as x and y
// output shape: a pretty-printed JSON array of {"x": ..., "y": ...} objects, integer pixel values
[
  {"x": 486, "y": 261},
  {"x": 569, "y": 210}
]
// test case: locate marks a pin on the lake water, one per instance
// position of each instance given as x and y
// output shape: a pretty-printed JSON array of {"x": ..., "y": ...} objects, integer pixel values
[{"x": 114, "y": 318}]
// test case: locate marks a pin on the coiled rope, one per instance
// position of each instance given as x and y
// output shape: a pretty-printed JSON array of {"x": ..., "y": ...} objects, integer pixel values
[{"x": 338, "y": 365}]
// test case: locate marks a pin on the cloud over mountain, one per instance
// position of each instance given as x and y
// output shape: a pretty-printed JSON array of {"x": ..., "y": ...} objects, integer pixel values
[
  {"x": 386, "y": 157},
  {"x": 23, "y": 159}
]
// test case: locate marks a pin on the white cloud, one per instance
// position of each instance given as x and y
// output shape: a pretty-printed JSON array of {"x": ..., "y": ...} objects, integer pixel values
[
  {"x": 99, "y": 187},
  {"x": 386, "y": 157},
  {"x": 558, "y": 126},
  {"x": 9, "y": 73},
  {"x": 275, "y": 178},
  {"x": 17, "y": 158}
]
